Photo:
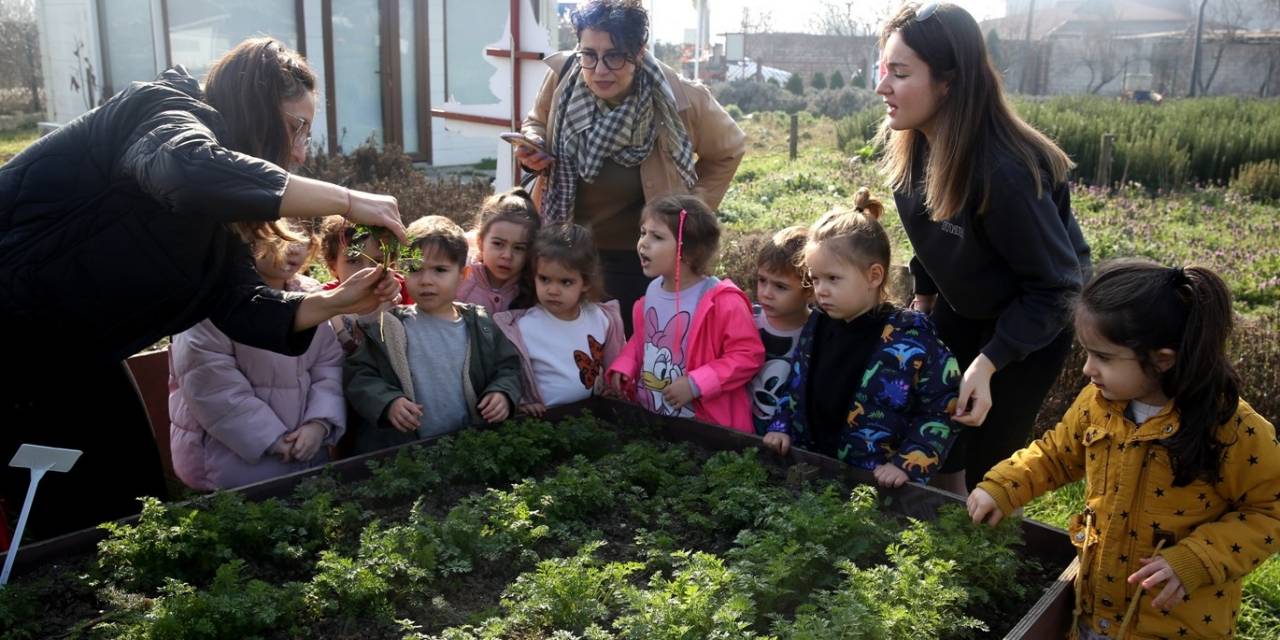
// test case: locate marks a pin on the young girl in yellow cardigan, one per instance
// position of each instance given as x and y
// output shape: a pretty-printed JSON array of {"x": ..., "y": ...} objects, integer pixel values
[{"x": 1182, "y": 477}]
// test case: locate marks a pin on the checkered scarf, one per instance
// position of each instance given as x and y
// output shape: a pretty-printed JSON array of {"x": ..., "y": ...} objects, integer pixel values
[{"x": 587, "y": 132}]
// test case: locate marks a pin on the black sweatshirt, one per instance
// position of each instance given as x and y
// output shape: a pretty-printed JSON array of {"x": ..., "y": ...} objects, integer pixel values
[
  {"x": 1020, "y": 263},
  {"x": 841, "y": 350}
]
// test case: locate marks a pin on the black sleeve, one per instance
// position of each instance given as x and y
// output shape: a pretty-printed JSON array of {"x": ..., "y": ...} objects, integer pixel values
[
  {"x": 252, "y": 313},
  {"x": 177, "y": 160},
  {"x": 924, "y": 285},
  {"x": 1028, "y": 233}
]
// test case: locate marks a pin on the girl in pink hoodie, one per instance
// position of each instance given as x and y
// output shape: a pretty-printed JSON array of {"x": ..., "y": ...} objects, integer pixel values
[{"x": 696, "y": 347}]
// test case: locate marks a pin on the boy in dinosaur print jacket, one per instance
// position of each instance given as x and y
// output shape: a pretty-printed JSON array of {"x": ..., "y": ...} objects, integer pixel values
[{"x": 898, "y": 412}]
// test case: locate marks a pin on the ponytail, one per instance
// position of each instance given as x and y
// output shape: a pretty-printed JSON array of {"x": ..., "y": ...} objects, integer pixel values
[{"x": 1203, "y": 384}]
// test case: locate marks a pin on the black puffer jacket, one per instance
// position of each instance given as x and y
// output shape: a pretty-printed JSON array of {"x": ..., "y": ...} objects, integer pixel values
[{"x": 113, "y": 230}]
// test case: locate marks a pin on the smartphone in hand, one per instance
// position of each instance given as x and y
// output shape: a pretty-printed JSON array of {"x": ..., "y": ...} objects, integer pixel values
[{"x": 518, "y": 139}]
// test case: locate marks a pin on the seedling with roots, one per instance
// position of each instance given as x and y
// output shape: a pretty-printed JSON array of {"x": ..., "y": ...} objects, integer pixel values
[{"x": 395, "y": 256}]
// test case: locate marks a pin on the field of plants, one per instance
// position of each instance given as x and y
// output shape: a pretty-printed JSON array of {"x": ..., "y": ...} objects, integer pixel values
[{"x": 535, "y": 530}]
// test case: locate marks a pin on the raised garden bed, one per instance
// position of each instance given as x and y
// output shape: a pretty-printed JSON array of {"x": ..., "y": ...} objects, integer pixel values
[{"x": 573, "y": 528}]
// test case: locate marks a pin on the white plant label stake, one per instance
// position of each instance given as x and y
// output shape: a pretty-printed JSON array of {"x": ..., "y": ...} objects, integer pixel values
[{"x": 39, "y": 460}]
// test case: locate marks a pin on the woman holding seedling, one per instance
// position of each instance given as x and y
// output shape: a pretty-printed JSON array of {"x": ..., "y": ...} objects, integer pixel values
[
  {"x": 984, "y": 200},
  {"x": 614, "y": 128},
  {"x": 133, "y": 223}
]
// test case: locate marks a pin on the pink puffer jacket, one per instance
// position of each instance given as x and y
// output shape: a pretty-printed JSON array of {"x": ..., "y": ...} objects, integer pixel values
[{"x": 228, "y": 403}]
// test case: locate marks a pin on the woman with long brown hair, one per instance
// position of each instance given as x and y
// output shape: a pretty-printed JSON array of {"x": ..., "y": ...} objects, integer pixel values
[
  {"x": 132, "y": 223},
  {"x": 984, "y": 199}
]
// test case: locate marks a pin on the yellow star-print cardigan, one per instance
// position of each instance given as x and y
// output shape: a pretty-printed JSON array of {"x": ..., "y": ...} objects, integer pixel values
[{"x": 1214, "y": 532}]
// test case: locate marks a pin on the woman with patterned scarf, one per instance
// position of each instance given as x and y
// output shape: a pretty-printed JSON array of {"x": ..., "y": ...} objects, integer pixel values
[{"x": 621, "y": 129}]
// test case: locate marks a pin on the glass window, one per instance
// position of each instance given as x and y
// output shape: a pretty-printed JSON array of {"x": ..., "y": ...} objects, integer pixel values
[
  {"x": 130, "y": 49},
  {"x": 357, "y": 68},
  {"x": 200, "y": 31},
  {"x": 408, "y": 76},
  {"x": 471, "y": 27}
]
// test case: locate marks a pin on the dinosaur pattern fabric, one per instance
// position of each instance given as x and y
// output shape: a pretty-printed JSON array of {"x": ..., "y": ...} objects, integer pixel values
[{"x": 900, "y": 410}]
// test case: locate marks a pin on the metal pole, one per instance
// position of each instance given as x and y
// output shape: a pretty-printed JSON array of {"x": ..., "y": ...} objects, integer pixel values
[
  {"x": 1195, "y": 52},
  {"x": 795, "y": 134},
  {"x": 697, "y": 47},
  {"x": 1026, "y": 55}
]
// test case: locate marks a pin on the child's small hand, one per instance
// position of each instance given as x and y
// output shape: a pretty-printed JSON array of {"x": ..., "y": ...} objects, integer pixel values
[
  {"x": 679, "y": 393},
  {"x": 364, "y": 292},
  {"x": 283, "y": 449},
  {"x": 890, "y": 476},
  {"x": 778, "y": 441},
  {"x": 404, "y": 415},
  {"x": 535, "y": 409},
  {"x": 983, "y": 508},
  {"x": 619, "y": 381},
  {"x": 494, "y": 407},
  {"x": 1155, "y": 571},
  {"x": 306, "y": 440}
]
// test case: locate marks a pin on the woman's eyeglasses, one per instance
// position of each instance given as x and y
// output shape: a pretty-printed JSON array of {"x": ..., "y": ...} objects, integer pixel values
[
  {"x": 301, "y": 129},
  {"x": 613, "y": 60}
]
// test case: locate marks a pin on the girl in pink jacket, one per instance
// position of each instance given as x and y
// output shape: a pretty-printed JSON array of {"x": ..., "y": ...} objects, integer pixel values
[
  {"x": 696, "y": 347},
  {"x": 239, "y": 414}
]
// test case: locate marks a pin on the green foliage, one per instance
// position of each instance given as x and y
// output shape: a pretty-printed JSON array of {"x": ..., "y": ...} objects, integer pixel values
[
  {"x": 986, "y": 558},
  {"x": 911, "y": 598},
  {"x": 737, "y": 488},
  {"x": 837, "y": 79},
  {"x": 1258, "y": 180},
  {"x": 734, "y": 111},
  {"x": 819, "y": 80},
  {"x": 795, "y": 84},
  {"x": 19, "y": 609},
  {"x": 568, "y": 594},
  {"x": 798, "y": 543},
  {"x": 857, "y": 130},
  {"x": 1260, "y": 612},
  {"x": 512, "y": 451},
  {"x": 700, "y": 601},
  {"x": 189, "y": 543},
  {"x": 233, "y": 606},
  {"x": 750, "y": 96},
  {"x": 1164, "y": 145},
  {"x": 393, "y": 565}
]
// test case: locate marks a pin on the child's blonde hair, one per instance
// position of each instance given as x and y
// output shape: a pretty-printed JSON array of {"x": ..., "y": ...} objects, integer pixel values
[
  {"x": 701, "y": 233},
  {"x": 856, "y": 236},
  {"x": 276, "y": 247}
]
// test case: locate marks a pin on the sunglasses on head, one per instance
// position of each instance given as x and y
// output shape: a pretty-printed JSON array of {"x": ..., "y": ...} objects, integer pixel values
[{"x": 926, "y": 11}]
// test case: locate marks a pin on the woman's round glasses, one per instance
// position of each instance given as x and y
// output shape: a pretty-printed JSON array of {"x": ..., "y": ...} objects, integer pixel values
[{"x": 613, "y": 60}]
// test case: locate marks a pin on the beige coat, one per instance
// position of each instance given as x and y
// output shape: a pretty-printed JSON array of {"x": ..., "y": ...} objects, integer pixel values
[{"x": 718, "y": 143}]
